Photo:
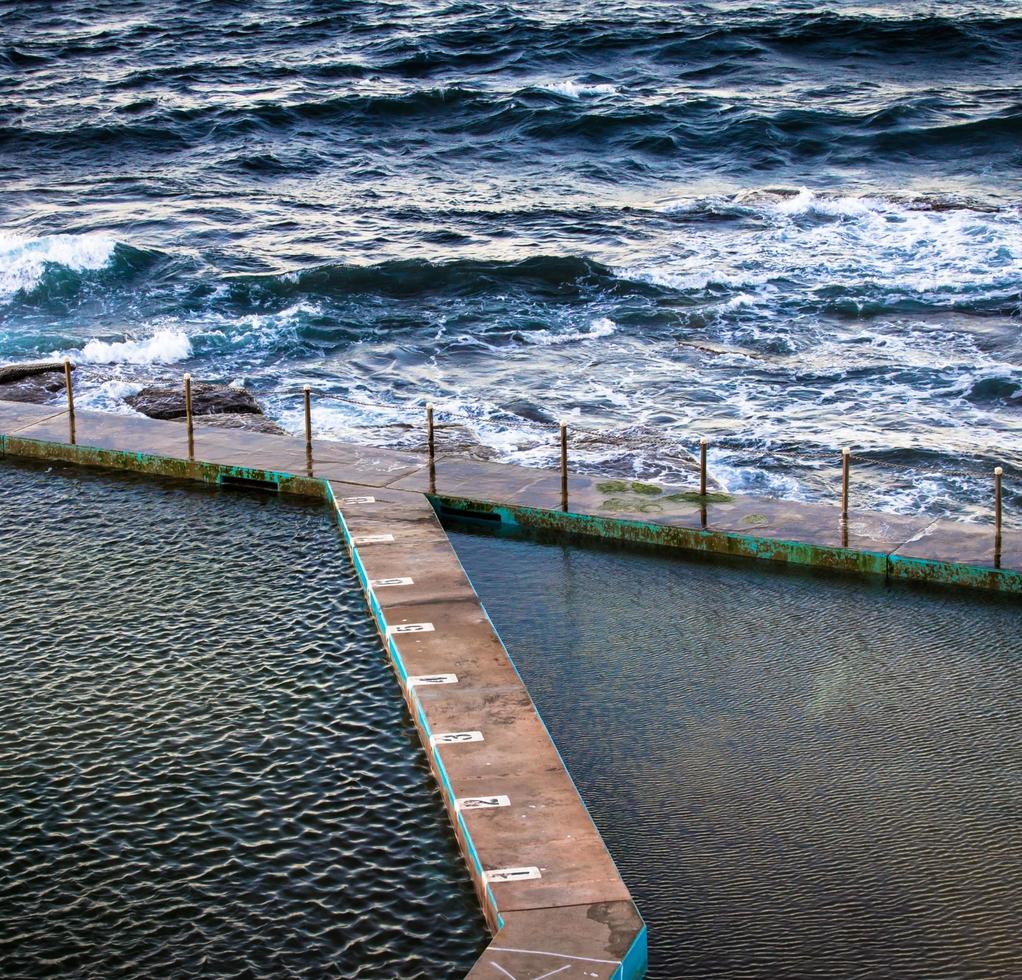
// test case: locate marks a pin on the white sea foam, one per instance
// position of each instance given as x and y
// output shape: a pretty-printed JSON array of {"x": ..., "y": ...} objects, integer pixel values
[
  {"x": 163, "y": 347},
  {"x": 844, "y": 249},
  {"x": 23, "y": 261},
  {"x": 600, "y": 327},
  {"x": 577, "y": 90}
]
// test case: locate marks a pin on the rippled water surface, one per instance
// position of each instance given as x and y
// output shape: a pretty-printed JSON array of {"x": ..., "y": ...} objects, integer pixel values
[
  {"x": 206, "y": 767},
  {"x": 798, "y": 777},
  {"x": 787, "y": 226}
]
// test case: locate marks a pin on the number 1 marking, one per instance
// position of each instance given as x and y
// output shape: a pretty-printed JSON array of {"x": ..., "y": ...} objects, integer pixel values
[
  {"x": 511, "y": 874},
  {"x": 431, "y": 679}
]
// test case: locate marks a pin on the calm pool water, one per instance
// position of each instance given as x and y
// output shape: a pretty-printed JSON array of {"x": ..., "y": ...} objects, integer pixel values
[
  {"x": 206, "y": 767},
  {"x": 799, "y": 776}
]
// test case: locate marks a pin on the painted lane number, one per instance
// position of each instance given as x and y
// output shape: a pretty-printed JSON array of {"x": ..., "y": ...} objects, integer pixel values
[
  {"x": 372, "y": 538},
  {"x": 481, "y": 802},
  {"x": 410, "y": 628},
  {"x": 358, "y": 500},
  {"x": 425, "y": 679},
  {"x": 383, "y": 583},
  {"x": 455, "y": 738},
  {"x": 511, "y": 874}
]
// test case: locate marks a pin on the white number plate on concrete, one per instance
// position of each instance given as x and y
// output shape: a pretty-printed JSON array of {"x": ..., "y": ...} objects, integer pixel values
[
  {"x": 432, "y": 679},
  {"x": 358, "y": 500},
  {"x": 512, "y": 874},
  {"x": 410, "y": 628},
  {"x": 481, "y": 802},
  {"x": 372, "y": 538},
  {"x": 455, "y": 738},
  {"x": 384, "y": 583}
]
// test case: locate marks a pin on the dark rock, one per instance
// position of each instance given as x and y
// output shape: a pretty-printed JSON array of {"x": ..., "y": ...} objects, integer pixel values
[
  {"x": 36, "y": 381},
  {"x": 238, "y": 420},
  {"x": 38, "y": 389},
  {"x": 10, "y": 373},
  {"x": 527, "y": 410},
  {"x": 165, "y": 402},
  {"x": 450, "y": 439}
]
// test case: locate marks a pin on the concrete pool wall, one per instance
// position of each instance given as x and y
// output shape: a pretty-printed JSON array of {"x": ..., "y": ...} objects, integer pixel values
[{"x": 549, "y": 888}]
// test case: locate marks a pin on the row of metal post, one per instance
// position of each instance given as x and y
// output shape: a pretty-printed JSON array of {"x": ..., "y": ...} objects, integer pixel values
[{"x": 846, "y": 454}]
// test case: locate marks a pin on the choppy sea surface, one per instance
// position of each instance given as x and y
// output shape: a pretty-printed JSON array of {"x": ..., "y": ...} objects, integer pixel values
[
  {"x": 798, "y": 776},
  {"x": 783, "y": 226},
  {"x": 206, "y": 767}
]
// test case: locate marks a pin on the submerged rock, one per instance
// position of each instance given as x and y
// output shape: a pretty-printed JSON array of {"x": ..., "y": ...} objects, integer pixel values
[
  {"x": 34, "y": 381},
  {"x": 166, "y": 402},
  {"x": 238, "y": 420}
]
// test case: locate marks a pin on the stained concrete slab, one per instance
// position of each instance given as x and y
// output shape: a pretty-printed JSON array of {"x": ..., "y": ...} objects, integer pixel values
[
  {"x": 491, "y": 481},
  {"x": 952, "y": 553},
  {"x": 354, "y": 464},
  {"x": 14, "y": 416},
  {"x": 581, "y": 942}
]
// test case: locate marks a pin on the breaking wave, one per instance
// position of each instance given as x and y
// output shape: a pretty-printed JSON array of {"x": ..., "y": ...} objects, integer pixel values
[
  {"x": 24, "y": 262},
  {"x": 163, "y": 347}
]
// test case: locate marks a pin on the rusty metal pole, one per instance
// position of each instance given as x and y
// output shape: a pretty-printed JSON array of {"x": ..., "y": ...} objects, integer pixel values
[
  {"x": 845, "y": 459},
  {"x": 188, "y": 416},
  {"x": 564, "y": 466},
  {"x": 998, "y": 472},
  {"x": 70, "y": 400},
  {"x": 702, "y": 465},
  {"x": 431, "y": 447},
  {"x": 308, "y": 418}
]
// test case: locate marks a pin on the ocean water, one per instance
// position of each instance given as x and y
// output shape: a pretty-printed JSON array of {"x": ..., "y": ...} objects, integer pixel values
[
  {"x": 799, "y": 777},
  {"x": 783, "y": 226},
  {"x": 208, "y": 770}
]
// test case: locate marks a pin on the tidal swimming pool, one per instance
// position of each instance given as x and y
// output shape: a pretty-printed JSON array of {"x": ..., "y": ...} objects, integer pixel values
[
  {"x": 206, "y": 766},
  {"x": 798, "y": 776}
]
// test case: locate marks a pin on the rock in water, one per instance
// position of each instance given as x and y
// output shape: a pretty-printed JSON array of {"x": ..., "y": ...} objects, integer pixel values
[
  {"x": 164, "y": 402},
  {"x": 36, "y": 381},
  {"x": 239, "y": 420}
]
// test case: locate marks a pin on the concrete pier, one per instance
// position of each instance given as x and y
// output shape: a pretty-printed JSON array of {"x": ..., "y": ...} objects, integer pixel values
[{"x": 550, "y": 890}]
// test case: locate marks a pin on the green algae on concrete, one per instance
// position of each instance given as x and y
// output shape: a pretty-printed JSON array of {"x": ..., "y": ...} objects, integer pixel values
[{"x": 691, "y": 497}]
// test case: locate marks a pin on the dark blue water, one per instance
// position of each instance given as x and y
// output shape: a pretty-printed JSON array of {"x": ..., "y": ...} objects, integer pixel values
[
  {"x": 784, "y": 226},
  {"x": 206, "y": 768},
  {"x": 800, "y": 777}
]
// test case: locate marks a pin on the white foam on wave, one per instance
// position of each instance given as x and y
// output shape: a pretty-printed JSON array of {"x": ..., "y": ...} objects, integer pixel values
[
  {"x": 600, "y": 327},
  {"x": 23, "y": 261},
  {"x": 163, "y": 347},
  {"x": 577, "y": 90},
  {"x": 814, "y": 247}
]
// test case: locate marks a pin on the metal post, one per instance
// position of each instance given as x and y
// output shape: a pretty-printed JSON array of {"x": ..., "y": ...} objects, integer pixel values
[
  {"x": 70, "y": 400},
  {"x": 430, "y": 440},
  {"x": 998, "y": 472},
  {"x": 431, "y": 446},
  {"x": 845, "y": 458},
  {"x": 702, "y": 466},
  {"x": 308, "y": 419},
  {"x": 564, "y": 466},
  {"x": 188, "y": 416}
]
